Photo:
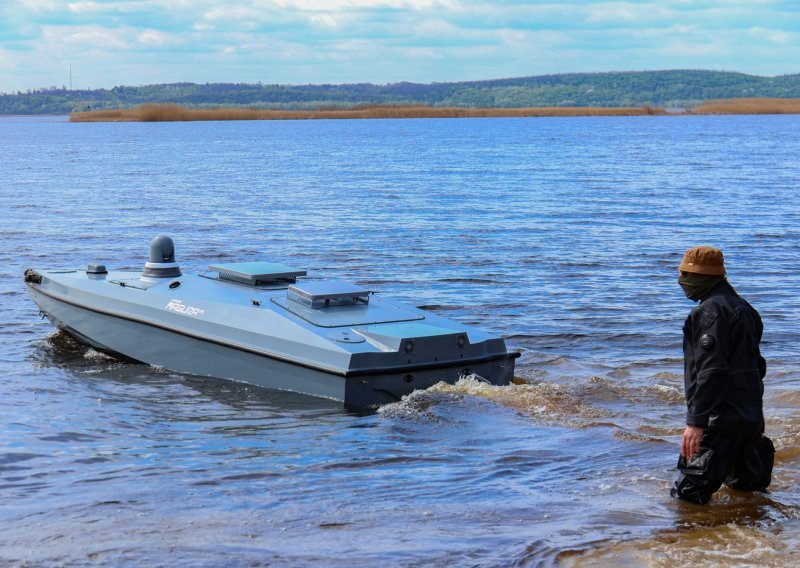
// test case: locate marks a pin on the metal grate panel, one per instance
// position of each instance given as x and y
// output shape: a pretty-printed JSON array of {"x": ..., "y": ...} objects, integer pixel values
[
  {"x": 327, "y": 293},
  {"x": 256, "y": 273}
]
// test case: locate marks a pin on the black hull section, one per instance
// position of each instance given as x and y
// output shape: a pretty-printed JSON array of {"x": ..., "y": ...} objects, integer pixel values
[{"x": 371, "y": 391}]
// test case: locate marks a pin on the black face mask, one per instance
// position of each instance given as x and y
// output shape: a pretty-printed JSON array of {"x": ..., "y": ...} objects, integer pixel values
[{"x": 697, "y": 286}]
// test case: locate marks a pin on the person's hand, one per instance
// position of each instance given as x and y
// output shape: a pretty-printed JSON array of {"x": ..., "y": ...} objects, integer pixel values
[{"x": 690, "y": 443}]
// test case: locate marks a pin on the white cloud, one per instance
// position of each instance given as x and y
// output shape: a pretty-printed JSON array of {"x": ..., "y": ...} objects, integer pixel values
[
  {"x": 83, "y": 37},
  {"x": 83, "y": 7},
  {"x": 306, "y": 41},
  {"x": 421, "y": 53},
  {"x": 436, "y": 27},
  {"x": 692, "y": 49},
  {"x": 625, "y": 12},
  {"x": 337, "y": 5},
  {"x": 39, "y": 5},
  {"x": 325, "y": 20},
  {"x": 153, "y": 37},
  {"x": 778, "y": 37},
  {"x": 231, "y": 13}
]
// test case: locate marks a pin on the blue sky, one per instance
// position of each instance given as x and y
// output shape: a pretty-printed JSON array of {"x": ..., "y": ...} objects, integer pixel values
[{"x": 134, "y": 42}]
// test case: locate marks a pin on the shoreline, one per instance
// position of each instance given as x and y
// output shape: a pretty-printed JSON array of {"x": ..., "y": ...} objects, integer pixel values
[{"x": 155, "y": 112}]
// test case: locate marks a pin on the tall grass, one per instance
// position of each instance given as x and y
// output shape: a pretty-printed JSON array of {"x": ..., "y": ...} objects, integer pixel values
[
  {"x": 749, "y": 106},
  {"x": 167, "y": 112},
  {"x": 153, "y": 112}
]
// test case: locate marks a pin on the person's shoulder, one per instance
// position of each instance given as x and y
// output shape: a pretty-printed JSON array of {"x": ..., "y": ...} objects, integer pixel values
[
  {"x": 729, "y": 305},
  {"x": 707, "y": 311},
  {"x": 724, "y": 297},
  {"x": 713, "y": 303},
  {"x": 730, "y": 300},
  {"x": 743, "y": 306}
]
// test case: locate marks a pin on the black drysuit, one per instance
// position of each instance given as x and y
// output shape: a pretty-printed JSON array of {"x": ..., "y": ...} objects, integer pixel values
[{"x": 723, "y": 373}]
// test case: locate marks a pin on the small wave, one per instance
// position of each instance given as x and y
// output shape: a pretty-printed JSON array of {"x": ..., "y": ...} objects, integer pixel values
[
  {"x": 418, "y": 405},
  {"x": 600, "y": 388},
  {"x": 673, "y": 395},
  {"x": 547, "y": 402},
  {"x": 767, "y": 235},
  {"x": 558, "y": 339},
  {"x": 70, "y": 437},
  {"x": 64, "y": 341},
  {"x": 553, "y": 360},
  {"x": 61, "y": 347},
  {"x": 790, "y": 399},
  {"x": 718, "y": 545},
  {"x": 786, "y": 452},
  {"x": 637, "y": 437},
  {"x": 785, "y": 434},
  {"x": 584, "y": 264},
  {"x": 92, "y": 460},
  {"x": 469, "y": 280},
  {"x": 15, "y": 457},
  {"x": 593, "y": 403},
  {"x": 96, "y": 356}
]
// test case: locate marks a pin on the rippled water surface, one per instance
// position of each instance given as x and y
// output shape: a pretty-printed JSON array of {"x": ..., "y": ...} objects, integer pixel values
[{"x": 563, "y": 235}]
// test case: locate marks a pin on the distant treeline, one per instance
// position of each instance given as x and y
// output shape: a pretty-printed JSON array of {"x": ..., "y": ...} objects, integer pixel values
[{"x": 667, "y": 89}]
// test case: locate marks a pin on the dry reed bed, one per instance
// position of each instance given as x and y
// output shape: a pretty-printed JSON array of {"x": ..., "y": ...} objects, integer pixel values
[
  {"x": 166, "y": 113},
  {"x": 749, "y": 106}
]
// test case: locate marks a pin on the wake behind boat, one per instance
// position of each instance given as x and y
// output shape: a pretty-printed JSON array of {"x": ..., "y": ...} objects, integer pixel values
[{"x": 266, "y": 324}]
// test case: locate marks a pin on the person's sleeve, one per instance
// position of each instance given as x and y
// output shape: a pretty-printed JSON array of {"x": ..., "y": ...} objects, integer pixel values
[
  {"x": 711, "y": 337},
  {"x": 762, "y": 363}
]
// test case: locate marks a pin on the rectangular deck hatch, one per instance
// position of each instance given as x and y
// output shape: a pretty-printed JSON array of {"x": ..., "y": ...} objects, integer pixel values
[
  {"x": 257, "y": 273},
  {"x": 328, "y": 293},
  {"x": 341, "y": 304}
]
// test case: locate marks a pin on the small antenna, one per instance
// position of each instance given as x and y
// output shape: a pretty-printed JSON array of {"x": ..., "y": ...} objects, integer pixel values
[{"x": 70, "y": 76}]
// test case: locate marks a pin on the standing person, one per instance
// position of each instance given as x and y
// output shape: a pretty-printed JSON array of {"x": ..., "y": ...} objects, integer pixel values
[{"x": 724, "y": 438}]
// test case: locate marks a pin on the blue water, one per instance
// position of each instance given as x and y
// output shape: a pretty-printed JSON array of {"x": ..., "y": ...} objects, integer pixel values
[{"x": 561, "y": 234}]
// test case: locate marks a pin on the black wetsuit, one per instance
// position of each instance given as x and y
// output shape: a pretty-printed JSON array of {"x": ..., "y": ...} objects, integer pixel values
[{"x": 723, "y": 379}]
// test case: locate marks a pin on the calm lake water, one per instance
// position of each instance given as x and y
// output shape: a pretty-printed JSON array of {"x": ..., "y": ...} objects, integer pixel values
[{"x": 561, "y": 234}]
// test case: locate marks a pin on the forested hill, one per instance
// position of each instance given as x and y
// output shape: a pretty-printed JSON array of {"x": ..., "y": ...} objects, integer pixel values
[{"x": 681, "y": 88}]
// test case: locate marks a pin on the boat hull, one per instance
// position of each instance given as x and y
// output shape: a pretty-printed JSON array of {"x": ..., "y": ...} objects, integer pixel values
[{"x": 180, "y": 352}]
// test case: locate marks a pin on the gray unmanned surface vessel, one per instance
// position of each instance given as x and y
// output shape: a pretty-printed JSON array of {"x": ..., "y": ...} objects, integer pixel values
[{"x": 255, "y": 322}]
